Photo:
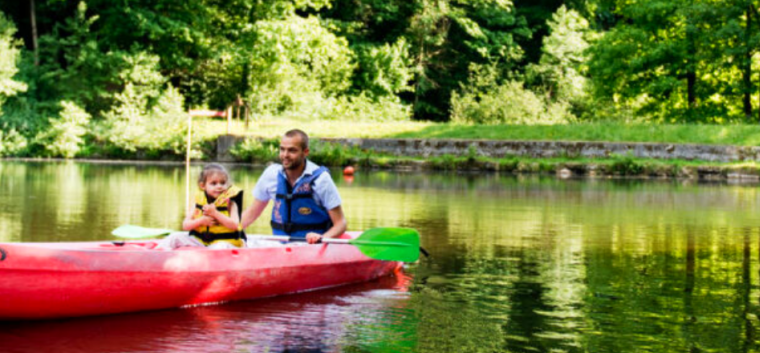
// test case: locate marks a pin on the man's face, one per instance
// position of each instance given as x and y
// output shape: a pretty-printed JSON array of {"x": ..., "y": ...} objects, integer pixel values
[{"x": 292, "y": 155}]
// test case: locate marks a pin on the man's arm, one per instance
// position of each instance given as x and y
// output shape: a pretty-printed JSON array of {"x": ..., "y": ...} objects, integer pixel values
[
  {"x": 260, "y": 193},
  {"x": 338, "y": 228},
  {"x": 253, "y": 212},
  {"x": 339, "y": 223}
]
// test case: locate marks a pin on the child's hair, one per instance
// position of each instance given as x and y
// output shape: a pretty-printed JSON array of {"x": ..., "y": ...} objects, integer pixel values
[{"x": 213, "y": 168}]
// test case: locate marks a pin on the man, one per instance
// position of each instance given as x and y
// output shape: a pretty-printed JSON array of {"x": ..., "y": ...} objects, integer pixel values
[{"x": 306, "y": 201}]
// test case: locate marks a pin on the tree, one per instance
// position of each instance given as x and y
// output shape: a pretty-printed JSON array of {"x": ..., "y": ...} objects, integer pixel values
[
  {"x": 9, "y": 57},
  {"x": 738, "y": 38},
  {"x": 448, "y": 35},
  {"x": 75, "y": 67},
  {"x": 10, "y": 139},
  {"x": 560, "y": 71},
  {"x": 676, "y": 61},
  {"x": 294, "y": 61}
]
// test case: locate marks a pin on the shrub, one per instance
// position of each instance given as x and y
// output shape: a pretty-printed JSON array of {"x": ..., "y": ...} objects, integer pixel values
[
  {"x": 124, "y": 123},
  {"x": 333, "y": 154},
  {"x": 64, "y": 136},
  {"x": 509, "y": 103},
  {"x": 11, "y": 142},
  {"x": 626, "y": 165},
  {"x": 383, "y": 70},
  {"x": 131, "y": 125},
  {"x": 485, "y": 101},
  {"x": 256, "y": 150},
  {"x": 362, "y": 108}
]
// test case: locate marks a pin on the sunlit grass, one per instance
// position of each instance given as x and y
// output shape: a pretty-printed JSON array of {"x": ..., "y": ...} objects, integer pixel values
[
  {"x": 330, "y": 129},
  {"x": 741, "y": 135}
]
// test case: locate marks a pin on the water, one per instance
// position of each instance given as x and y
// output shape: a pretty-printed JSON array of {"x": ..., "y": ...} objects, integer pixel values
[{"x": 518, "y": 264}]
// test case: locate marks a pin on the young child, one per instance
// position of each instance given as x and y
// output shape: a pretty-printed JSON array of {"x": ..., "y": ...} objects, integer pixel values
[{"x": 214, "y": 219}]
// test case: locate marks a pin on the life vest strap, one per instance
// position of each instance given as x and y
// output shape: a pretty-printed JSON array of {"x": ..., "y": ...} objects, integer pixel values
[
  {"x": 209, "y": 237},
  {"x": 220, "y": 209},
  {"x": 290, "y": 227},
  {"x": 293, "y": 196}
]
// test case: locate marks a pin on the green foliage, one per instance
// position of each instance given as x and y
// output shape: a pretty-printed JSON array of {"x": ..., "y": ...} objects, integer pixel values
[
  {"x": 300, "y": 70},
  {"x": 485, "y": 101},
  {"x": 368, "y": 61},
  {"x": 256, "y": 150},
  {"x": 167, "y": 123},
  {"x": 735, "y": 134},
  {"x": 333, "y": 154},
  {"x": 677, "y": 61},
  {"x": 133, "y": 125},
  {"x": 9, "y": 57},
  {"x": 73, "y": 67},
  {"x": 64, "y": 137},
  {"x": 383, "y": 70},
  {"x": 141, "y": 71},
  {"x": 125, "y": 124},
  {"x": 181, "y": 33},
  {"x": 296, "y": 62},
  {"x": 559, "y": 72},
  {"x": 11, "y": 142},
  {"x": 626, "y": 165},
  {"x": 362, "y": 108},
  {"x": 450, "y": 35},
  {"x": 445, "y": 162},
  {"x": 280, "y": 9}
]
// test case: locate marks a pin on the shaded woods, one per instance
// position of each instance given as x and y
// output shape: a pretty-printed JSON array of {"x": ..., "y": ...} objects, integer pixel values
[{"x": 114, "y": 79}]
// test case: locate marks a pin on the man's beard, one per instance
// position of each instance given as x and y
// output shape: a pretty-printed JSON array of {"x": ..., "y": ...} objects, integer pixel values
[{"x": 297, "y": 163}]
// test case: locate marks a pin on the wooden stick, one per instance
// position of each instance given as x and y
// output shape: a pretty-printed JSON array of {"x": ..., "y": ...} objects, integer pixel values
[{"x": 187, "y": 161}]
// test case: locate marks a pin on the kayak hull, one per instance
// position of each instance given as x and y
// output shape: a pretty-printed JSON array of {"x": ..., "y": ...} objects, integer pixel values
[{"x": 56, "y": 280}]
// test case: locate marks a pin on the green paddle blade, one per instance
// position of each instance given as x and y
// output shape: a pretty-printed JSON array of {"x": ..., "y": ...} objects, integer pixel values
[
  {"x": 389, "y": 244},
  {"x": 137, "y": 232}
]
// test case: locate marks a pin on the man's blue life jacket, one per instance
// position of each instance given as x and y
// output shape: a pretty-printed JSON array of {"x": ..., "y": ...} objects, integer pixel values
[{"x": 295, "y": 211}]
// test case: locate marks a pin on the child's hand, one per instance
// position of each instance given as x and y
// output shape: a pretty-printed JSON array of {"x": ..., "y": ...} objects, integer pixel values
[
  {"x": 207, "y": 221},
  {"x": 210, "y": 210}
]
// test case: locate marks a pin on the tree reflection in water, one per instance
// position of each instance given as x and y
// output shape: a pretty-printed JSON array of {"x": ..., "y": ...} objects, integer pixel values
[{"x": 519, "y": 264}]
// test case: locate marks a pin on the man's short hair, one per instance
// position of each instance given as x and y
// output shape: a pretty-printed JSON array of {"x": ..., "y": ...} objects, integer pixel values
[{"x": 304, "y": 137}]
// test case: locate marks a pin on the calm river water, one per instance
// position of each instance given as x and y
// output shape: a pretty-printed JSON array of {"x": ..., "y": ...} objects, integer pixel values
[{"x": 517, "y": 265}]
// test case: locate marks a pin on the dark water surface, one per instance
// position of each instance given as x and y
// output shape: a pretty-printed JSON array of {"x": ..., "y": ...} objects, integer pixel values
[{"x": 517, "y": 265}]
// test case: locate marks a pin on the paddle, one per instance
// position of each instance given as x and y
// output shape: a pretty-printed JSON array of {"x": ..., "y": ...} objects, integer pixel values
[
  {"x": 137, "y": 232},
  {"x": 388, "y": 244}
]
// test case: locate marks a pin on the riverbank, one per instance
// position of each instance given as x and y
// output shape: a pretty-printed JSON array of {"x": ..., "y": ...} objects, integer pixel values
[
  {"x": 705, "y": 152},
  {"x": 565, "y": 160},
  {"x": 614, "y": 167}
]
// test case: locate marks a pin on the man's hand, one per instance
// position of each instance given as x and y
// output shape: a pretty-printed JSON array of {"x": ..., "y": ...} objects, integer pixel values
[{"x": 313, "y": 238}]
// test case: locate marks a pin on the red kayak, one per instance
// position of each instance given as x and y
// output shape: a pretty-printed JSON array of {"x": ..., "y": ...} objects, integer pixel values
[{"x": 55, "y": 280}]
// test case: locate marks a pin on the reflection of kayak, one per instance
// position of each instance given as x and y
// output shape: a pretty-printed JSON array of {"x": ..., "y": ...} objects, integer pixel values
[
  {"x": 299, "y": 322},
  {"x": 51, "y": 280}
]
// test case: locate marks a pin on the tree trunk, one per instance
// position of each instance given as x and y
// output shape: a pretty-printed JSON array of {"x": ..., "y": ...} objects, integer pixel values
[
  {"x": 747, "y": 67},
  {"x": 32, "y": 13},
  {"x": 691, "y": 67}
]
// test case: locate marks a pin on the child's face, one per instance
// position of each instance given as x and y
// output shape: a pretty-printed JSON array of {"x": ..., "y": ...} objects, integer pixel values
[{"x": 215, "y": 184}]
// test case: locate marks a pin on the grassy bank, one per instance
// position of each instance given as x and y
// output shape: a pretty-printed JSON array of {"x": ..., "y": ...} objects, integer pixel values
[
  {"x": 740, "y": 135},
  {"x": 336, "y": 155},
  {"x": 205, "y": 132}
]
